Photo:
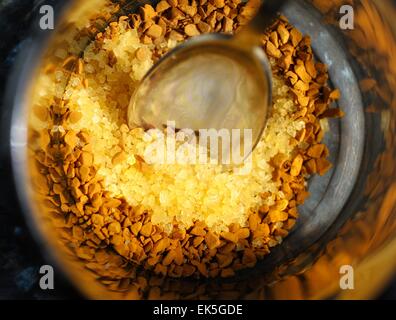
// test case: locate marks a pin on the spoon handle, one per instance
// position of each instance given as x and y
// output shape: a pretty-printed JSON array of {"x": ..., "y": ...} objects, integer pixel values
[{"x": 251, "y": 34}]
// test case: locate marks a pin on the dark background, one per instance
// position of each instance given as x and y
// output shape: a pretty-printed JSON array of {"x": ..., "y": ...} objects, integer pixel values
[{"x": 20, "y": 259}]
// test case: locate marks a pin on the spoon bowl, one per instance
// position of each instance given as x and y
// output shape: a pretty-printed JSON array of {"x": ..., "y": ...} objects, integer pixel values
[{"x": 209, "y": 82}]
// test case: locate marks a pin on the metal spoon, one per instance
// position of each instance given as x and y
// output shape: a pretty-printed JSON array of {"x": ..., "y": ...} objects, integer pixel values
[{"x": 213, "y": 81}]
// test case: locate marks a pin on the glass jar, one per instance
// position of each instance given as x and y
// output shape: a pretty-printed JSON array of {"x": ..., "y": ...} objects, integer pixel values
[{"x": 350, "y": 223}]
